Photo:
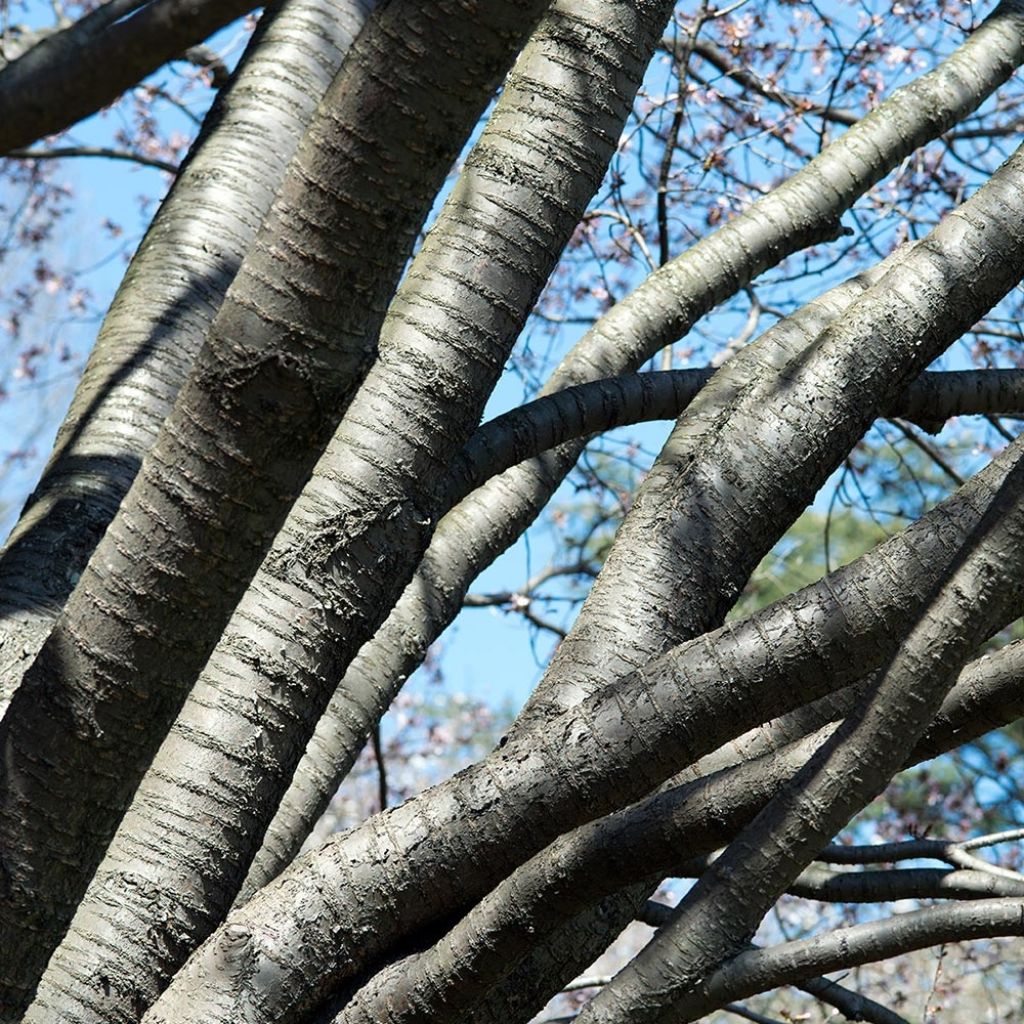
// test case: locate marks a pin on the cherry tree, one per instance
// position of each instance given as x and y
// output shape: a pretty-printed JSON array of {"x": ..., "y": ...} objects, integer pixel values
[{"x": 272, "y": 493}]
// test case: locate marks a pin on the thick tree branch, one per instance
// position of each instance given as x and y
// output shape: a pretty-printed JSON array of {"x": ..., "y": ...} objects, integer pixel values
[
  {"x": 546, "y": 117},
  {"x": 614, "y": 747},
  {"x": 753, "y": 449},
  {"x": 852, "y": 1005},
  {"x": 591, "y": 408},
  {"x": 293, "y": 339},
  {"x": 903, "y": 884},
  {"x": 987, "y": 696},
  {"x": 486, "y": 522},
  {"x": 925, "y": 266},
  {"x": 721, "y": 912},
  {"x": 915, "y": 849},
  {"x": 662, "y": 309},
  {"x": 529, "y": 917},
  {"x": 352, "y": 539},
  {"x": 74, "y": 72},
  {"x": 162, "y": 310}
]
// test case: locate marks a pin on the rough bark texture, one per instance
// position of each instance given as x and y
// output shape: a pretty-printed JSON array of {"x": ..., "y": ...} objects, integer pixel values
[
  {"x": 163, "y": 308},
  {"x": 352, "y": 539},
  {"x": 750, "y": 454},
  {"x": 988, "y": 694},
  {"x": 475, "y": 531},
  {"x": 528, "y": 159},
  {"x": 292, "y": 340},
  {"x": 661, "y": 309},
  {"x": 295, "y": 466},
  {"x": 459, "y": 839},
  {"x": 719, "y": 915},
  {"x": 593, "y": 862}
]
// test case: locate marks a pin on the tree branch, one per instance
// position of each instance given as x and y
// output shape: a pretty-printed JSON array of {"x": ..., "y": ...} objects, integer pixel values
[
  {"x": 705, "y": 697},
  {"x": 101, "y": 151},
  {"x": 160, "y": 315},
  {"x": 597, "y": 406},
  {"x": 72, "y": 73},
  {"x": 721, "y": 912},
  {"x": 530, "y": 914},
  {"x": 759, "y": 970},
  {"x": 719, "y": 59},
  {"x": 611, "y": 49},
  {"x": 662, "y": 309},
  {"x": 282, "y": 360}
]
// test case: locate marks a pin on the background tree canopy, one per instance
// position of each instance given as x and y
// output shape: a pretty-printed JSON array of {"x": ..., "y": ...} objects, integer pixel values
[{"x": 710, "y": 315}]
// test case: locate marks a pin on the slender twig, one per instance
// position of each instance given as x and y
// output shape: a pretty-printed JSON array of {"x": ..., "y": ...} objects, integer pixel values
[
  {"x": 682, "y": 67},
  {"x": 930, "y": 450},
  {"x": 742, "y": 1011},
  {"x": 101, "y": 151},
  {"x": 382, "y": 777},
  {"x": 953, "y": 853}
]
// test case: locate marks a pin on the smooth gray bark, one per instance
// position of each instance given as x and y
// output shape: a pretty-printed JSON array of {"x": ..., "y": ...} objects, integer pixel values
[{"x": 844, "y": 948}]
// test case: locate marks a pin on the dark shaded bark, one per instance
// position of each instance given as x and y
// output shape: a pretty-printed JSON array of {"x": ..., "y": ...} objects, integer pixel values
[
  {"x": 751, "y": 452},
  {"x": 902, "y": 884},
  {"x": 72, "y": 73},
  {"x": 690, "y": 540},
  {"x": 532, "y": 429},
  {"x": 642, "y": 841},
  {"x": 931, "y": 271},
  {"x": 483, "y": 891}
]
